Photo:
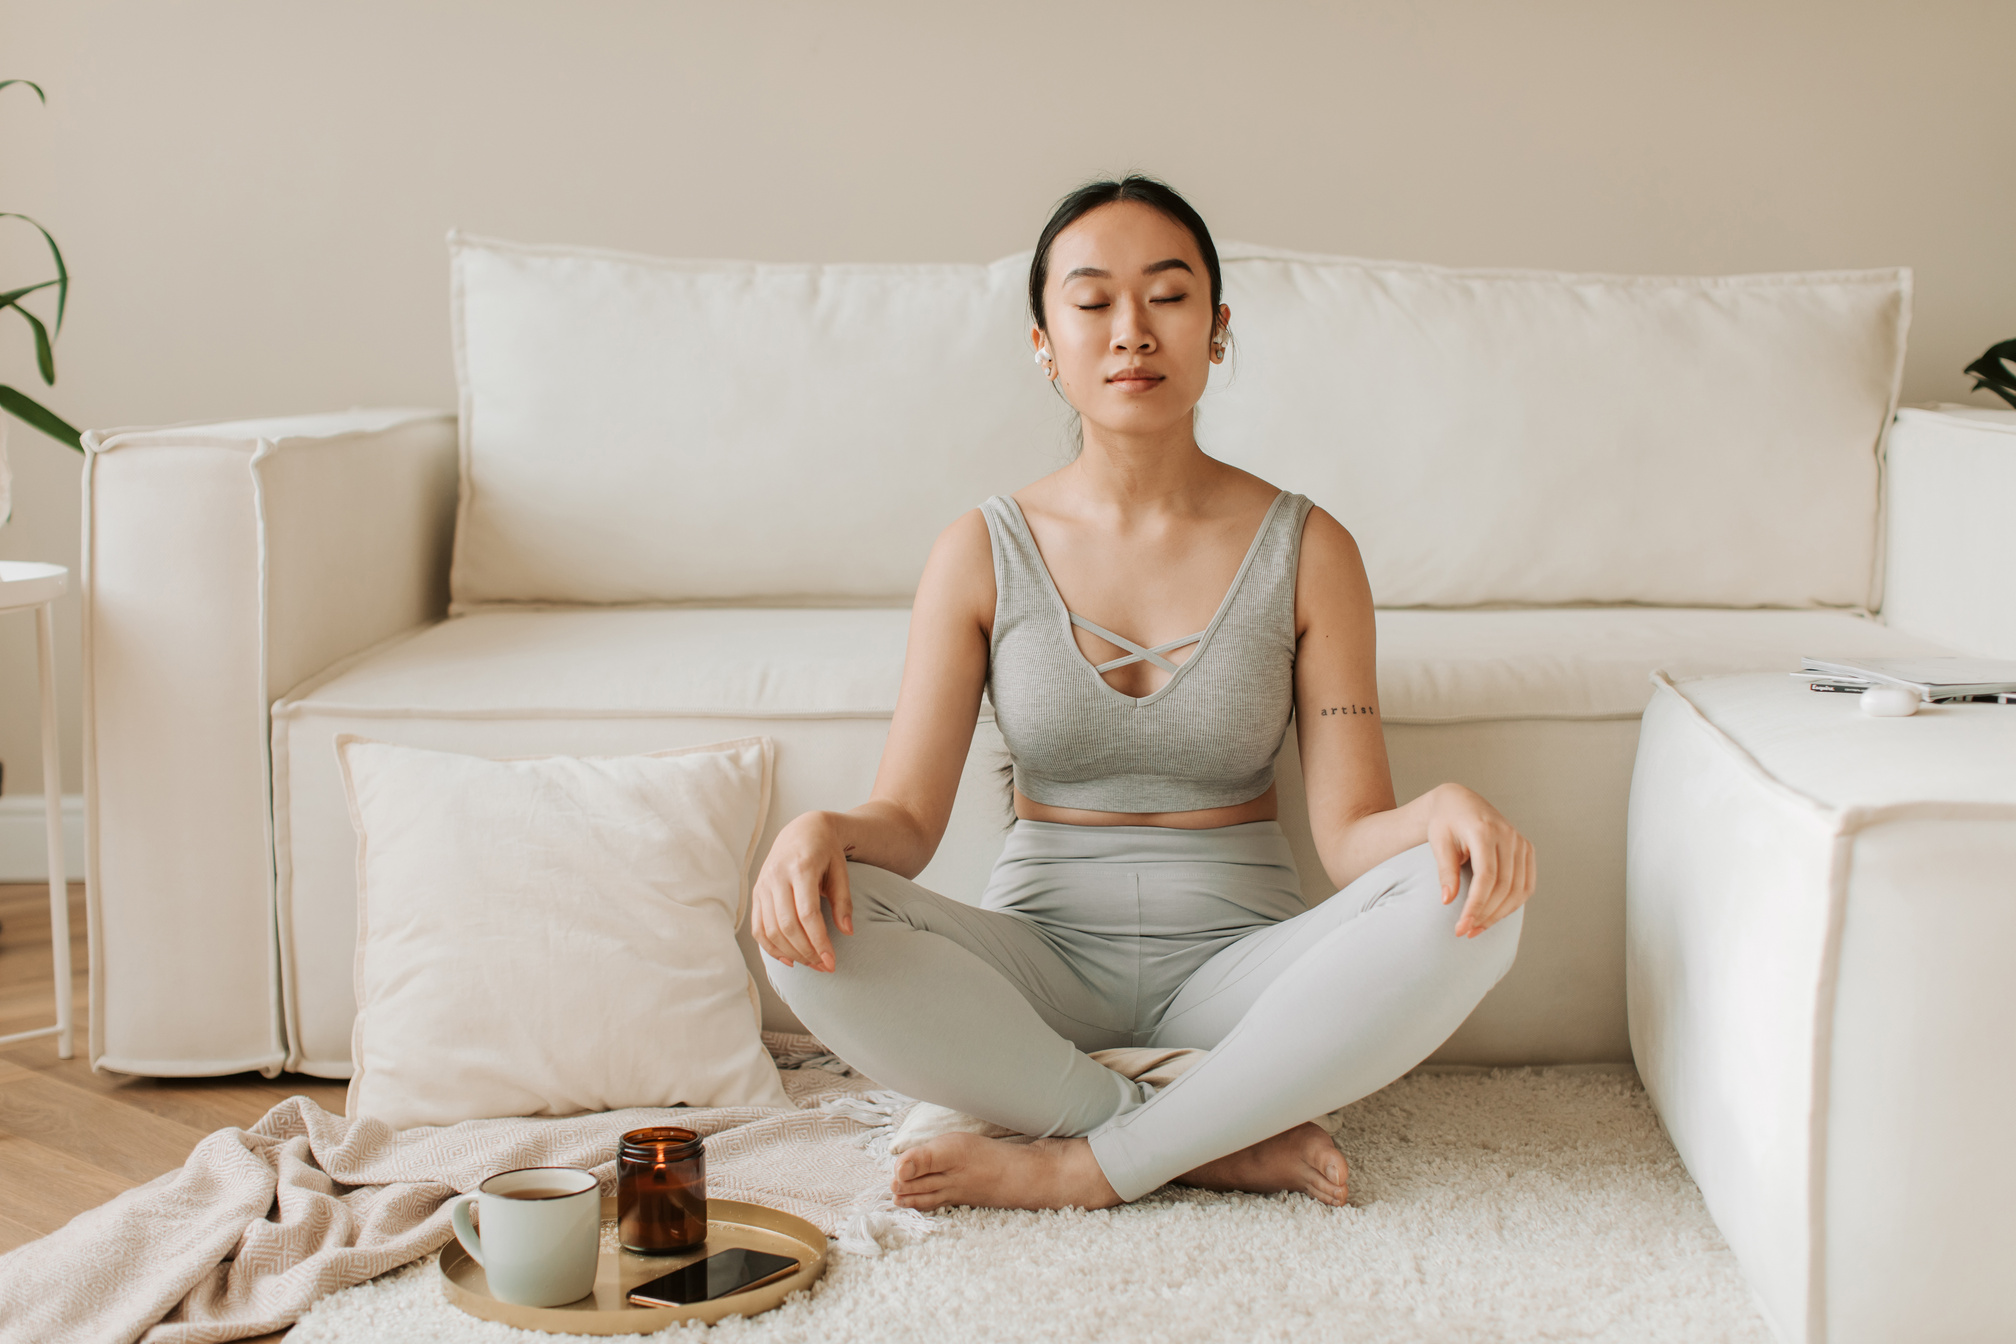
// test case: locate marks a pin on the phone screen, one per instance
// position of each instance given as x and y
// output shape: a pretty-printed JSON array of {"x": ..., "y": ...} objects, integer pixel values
[{"x": 718, "y": 1275}]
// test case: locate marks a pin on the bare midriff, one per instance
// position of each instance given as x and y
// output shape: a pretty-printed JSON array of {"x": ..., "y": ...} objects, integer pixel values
[{"x": 1264, "y": 808}]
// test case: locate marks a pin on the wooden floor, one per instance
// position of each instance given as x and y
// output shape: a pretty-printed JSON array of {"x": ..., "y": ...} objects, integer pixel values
[{"x": 71, "y": 1139}]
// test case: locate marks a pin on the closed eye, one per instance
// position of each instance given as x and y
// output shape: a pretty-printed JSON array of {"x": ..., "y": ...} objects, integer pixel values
[
  {"x": 1090, "y": 307},
  {"x": 1172, "y": 298}
]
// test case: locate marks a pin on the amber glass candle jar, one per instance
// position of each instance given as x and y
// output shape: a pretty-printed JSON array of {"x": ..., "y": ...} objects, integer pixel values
[{"x": 661, "y": 1191}]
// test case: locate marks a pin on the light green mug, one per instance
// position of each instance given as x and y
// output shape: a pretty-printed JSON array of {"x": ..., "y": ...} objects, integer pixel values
[{"x": 537, "y": 1234}]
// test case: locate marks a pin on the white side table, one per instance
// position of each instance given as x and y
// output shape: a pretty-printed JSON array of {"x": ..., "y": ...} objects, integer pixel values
[{"x": 24, "y": 585}]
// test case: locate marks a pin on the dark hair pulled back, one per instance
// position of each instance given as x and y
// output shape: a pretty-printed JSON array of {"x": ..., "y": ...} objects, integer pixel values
[{"x": 1148, "y": 191}]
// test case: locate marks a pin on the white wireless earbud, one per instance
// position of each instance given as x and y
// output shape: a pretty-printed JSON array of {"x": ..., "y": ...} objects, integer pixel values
[
  {"x": 1890, "y": 702},
  {"x": 1042, "y": 354}
]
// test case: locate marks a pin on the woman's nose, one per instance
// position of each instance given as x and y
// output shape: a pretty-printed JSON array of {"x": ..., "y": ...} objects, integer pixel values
[{"x": 1130, "y": 333}]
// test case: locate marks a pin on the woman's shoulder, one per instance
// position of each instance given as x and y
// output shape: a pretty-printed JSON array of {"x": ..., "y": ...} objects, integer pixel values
[
  {"x": 961, "y": 565},
  {"x": 1317, "y": 524},
  {"x": 1245, "y": 491},
  {"x": 1322, "y": 530},
  {"x": 1044, "y": 495},
  {"x": 957, "y": 584},
  {"x": 965, "y": 539},
  {"x": 1329, "y": 572},
  {"x": 1327, "y": 542}
]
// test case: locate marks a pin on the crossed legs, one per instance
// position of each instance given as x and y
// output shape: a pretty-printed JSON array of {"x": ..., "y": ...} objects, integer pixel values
[
  {"x": 1305, "y": 1016},
  {"x": 980, "y": 1011}
]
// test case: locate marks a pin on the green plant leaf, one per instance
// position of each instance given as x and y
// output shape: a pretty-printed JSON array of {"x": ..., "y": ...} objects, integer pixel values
[
  {"x": 1996, "y": 371},
  {"x": 31, "y": 84},
  {"x": 32, "y": 412},
  {"x": 7, "y": 299},
  {"x": 45, "y": 356},
  {"x": 62, "y": 271}
]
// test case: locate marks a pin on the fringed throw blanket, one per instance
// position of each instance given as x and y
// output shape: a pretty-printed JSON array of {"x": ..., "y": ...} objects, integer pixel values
[{"x": 259, "y": 1223}]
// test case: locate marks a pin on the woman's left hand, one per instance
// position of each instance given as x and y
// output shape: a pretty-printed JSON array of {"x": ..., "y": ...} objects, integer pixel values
[{"x": 1463, "y": 827}]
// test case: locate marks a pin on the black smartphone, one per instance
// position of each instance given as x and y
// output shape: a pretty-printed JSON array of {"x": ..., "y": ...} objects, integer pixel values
[{"x": 724, "y": 1272}]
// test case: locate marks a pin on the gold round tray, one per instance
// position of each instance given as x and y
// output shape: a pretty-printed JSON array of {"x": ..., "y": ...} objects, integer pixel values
[{"x": 607, "y": 1310}]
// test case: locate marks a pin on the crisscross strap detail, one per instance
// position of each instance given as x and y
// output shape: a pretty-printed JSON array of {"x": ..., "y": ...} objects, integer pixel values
[
  {"x": 1206, "y": 738},
  {"x": 1135, "y": 653}
]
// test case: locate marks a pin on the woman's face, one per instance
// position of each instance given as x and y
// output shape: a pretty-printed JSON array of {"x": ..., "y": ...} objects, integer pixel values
[{"x": 1128, "y": 303}]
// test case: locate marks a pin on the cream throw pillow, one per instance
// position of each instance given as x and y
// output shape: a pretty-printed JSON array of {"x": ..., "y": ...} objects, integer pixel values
[{"x": 554, "y": 935}]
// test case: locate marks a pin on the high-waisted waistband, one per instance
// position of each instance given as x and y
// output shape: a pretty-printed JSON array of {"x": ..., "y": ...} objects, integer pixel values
[
  {"x": 1170, "y": 879},
  {"x": 1261, "y": 843}
]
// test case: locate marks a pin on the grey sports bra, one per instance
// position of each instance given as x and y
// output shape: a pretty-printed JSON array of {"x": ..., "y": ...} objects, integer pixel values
[{"x": 1206, "y": 738}]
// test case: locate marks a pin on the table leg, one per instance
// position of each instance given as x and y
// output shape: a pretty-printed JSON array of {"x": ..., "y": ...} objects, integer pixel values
[{"x": 52, "y": 798}]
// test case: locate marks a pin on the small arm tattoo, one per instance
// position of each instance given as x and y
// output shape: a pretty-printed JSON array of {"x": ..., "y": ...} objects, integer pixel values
[{"x": 1347, "y": 709}]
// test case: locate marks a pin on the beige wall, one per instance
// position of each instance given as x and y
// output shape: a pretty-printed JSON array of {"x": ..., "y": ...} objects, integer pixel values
[{"x": 252, "y": 193}]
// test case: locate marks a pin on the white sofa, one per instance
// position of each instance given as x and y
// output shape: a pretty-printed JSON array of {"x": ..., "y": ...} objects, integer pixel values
[{"x": 681, "y": 502}]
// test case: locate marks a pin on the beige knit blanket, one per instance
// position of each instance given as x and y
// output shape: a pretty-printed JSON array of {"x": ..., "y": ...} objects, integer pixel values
[{"x": 259, "y": 1223}]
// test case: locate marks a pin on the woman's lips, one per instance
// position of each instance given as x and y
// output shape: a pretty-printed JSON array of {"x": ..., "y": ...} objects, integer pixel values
[{"x": 1134, "y": 380}]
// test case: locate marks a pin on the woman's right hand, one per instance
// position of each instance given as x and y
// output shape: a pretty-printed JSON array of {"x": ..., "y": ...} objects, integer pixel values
[{"x": 807, "y": 865}]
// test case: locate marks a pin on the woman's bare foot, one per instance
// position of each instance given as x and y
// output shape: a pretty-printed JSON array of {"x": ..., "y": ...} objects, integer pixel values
[
  {"x": 990, "y": 1174},
  {"x": 1301, "y": 1159}
]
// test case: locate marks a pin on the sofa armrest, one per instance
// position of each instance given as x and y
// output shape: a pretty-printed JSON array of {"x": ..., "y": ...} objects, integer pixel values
[
  {"x": 1951, "y": 474},
  {"x": 224, "y": 564}
]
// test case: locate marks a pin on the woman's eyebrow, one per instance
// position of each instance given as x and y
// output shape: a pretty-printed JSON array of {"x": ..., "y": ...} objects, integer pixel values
[{"x": 1153, "y": 268}]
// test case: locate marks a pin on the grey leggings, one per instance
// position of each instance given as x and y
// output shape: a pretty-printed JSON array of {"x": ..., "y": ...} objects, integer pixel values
[{"x": 1096, "y": 936}]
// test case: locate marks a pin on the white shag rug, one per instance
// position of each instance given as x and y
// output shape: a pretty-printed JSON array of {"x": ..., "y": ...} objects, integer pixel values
[{"x": 1513, "y": 1205}]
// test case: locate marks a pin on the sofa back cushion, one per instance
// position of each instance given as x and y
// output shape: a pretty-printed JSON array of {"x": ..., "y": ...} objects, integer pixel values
[
  {"x": 1536, "y": 438},
  {"x": 637, "y": 430},
  {"x": 642, "y": 430}
]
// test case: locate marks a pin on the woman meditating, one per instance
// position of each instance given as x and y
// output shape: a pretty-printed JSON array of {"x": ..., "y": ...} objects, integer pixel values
[{"x": 1146, "y": 621}]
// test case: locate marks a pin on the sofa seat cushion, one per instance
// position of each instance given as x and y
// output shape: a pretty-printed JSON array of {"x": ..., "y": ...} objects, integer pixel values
[
  {"x": 1943, "y": 753},
  {"x": 789, "y": 662},
  {"x": 1434, "y": 666},
  {"x": 1595, "y": 662},
  {"x": 1537, "y": 709}
]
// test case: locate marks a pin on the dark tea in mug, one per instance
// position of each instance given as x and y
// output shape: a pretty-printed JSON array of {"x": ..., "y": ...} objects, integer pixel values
[{"x": 661, "y": 1191}]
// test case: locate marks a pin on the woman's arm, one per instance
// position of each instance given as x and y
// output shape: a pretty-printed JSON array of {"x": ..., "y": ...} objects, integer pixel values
[
  {"x": 899, "y": 827},
  {"x": 1338, "y": 727}
]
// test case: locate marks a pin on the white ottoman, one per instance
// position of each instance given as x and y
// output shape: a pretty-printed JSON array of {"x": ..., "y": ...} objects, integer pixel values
[{"x": 1820, "y": 922}]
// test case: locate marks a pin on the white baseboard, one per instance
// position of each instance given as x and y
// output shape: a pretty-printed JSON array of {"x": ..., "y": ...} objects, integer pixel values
[{"x": 24, "y": 853}]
